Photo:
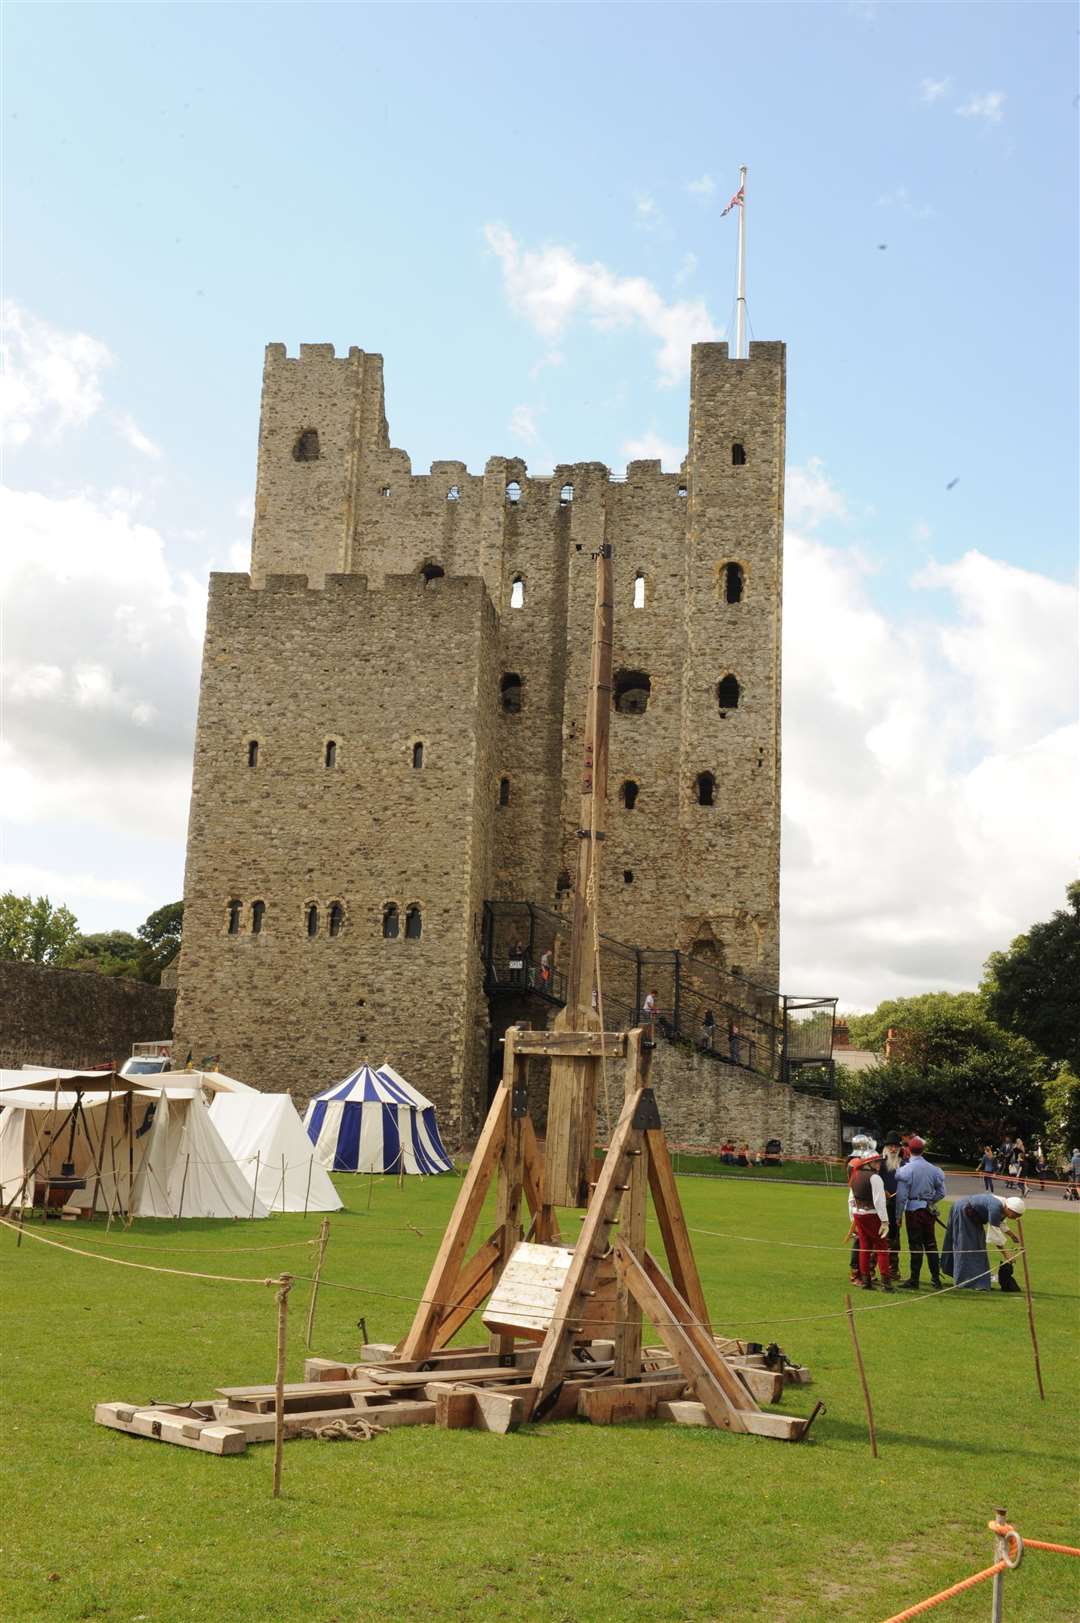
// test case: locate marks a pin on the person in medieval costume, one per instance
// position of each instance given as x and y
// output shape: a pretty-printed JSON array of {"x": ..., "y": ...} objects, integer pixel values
[
  {"x": 862, "y": 1145},
  {"x": 868, "y": 1212},
  {"x": 892, "y": 1159},
  {"x": 919, "y": 1187},
  {"x": 974, "y": 1221}
]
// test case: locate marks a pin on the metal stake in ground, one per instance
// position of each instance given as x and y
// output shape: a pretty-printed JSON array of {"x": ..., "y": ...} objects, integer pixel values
[
  {"x": 324, "y": 1235},
  {"x": 862, "y": 1377},
  {"x": 284, "y": 1285},
  {"x": 1031, "y": 1311},
  {"x": 1000, "y": 1551}
]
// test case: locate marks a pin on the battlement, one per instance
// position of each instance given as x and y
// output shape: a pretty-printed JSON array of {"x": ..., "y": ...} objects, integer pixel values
[
  {"x": 228, "y": 588},
  {"x": 276, "y": 353}
]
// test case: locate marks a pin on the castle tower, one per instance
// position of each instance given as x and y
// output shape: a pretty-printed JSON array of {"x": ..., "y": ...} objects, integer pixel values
[{"x": 391, "y": 711}]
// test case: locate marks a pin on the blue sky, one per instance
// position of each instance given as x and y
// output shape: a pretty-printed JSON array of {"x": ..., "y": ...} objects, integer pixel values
[{"x": 476, "y": 192}]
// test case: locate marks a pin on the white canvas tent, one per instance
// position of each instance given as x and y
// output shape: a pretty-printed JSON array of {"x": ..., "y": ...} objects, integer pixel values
[
  {"x": 265, "y": 1135},
  {"x": 147, "y": 1151}
]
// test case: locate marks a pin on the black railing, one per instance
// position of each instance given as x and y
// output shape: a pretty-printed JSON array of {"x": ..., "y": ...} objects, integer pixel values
[{"x": 685, "y": 999}]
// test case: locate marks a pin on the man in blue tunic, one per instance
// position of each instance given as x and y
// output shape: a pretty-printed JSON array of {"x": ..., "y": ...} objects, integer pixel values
[
  {"x": 973, "y": 1221},
  {"x": 919, "y": 1187}
]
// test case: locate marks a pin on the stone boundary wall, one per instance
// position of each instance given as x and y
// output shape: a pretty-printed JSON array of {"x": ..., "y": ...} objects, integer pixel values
[
  {"x": 704, "y": 1101},
  {"x": 75, "y": 1017}
]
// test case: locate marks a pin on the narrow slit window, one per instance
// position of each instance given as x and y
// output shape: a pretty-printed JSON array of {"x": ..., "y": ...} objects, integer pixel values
[
  {"x": 628, "y": 876},
  {"x": 331, "y": 752},
  {"x": 706, "y": 789},
  {"x": 510, "y": 692},
  {"x": 430, "y": 572},
  {"x": 738, "y": 454},
  {"x": 563, "y": 883},
  {"x": 630, "y": 792},
  {"x": 566, "y": 495},
  {"x": 390, "y": 922},
  {"x": 258, "y": 910},
  {"x": 728, "y": 694},
  {"x": 337, "y": 918},
  {"x": 513, "y": 491},
  {"x": 306, "y": 448},
  {"x": 385, "y": 492},
  {"x": 253, "y": 752},
  {"x": 639, "y": 590},
  {"x": 734, "y": 582},
  {"x": 632, "y": 690},
  {"x": 682, "y": 490},
  {"x": 453, "y": 494},
  {"x": 504, "y": 791},
  {"x": 517, "y": 592},
  {"x": 312, "y": 919},
  {"x": 417, "y": 756},
  {"x": 414, "y": 924},
  {"x": 234, "y": 918}
]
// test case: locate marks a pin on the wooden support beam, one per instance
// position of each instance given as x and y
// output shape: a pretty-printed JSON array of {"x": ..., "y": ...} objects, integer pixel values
[
  {"x": 511, "y": 1173},
  {"x": 559, "y": 1044},
  {"x": 592, "y": 1246},
  {"x": 669, "y": 1314},
  {"x": 632, "y": 1222},
  {"x": 701, "y": 1338},
  {"x": 439, "y": 1291},
  {"x": 669, "y": 1215},
  {"x": 474, "y": 1285}
]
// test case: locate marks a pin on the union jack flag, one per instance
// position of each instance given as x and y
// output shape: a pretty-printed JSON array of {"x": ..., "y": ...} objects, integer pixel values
[{"x": 736, "y": 202}]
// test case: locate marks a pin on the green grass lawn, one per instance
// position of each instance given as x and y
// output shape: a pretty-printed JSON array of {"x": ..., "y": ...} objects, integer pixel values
[{"x": 564, "y": 1521}]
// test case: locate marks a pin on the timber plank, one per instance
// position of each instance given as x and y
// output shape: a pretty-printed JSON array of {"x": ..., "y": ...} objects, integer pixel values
[
  {"x": 163, "y": 1426},
  {"x": 669, "y": 1215},
  {"x": 626, "y": 1314},
  {"x": 571, "y": 1044}
]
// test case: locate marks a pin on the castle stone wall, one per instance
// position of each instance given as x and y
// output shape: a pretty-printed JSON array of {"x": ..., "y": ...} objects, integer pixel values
[{"x": 75, "y": 1018}]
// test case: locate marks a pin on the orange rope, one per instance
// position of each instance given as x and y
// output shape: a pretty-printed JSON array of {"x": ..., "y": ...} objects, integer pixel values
[
  {"x": 1058, "y": 1549},
  {"x": 947, "y": 1594}
]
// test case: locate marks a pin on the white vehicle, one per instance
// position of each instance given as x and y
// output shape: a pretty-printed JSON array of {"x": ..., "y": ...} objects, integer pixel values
[{"x": 148, "y": 1059}]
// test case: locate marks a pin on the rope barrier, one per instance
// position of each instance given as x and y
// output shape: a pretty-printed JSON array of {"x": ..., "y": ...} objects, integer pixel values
[
  {"x": 121, "y": 1262},
  {"x": 1011, "y": 1547},
  {"x": 947, "y": 1594}
]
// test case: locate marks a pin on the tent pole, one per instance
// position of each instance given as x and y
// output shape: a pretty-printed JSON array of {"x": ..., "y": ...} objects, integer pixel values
[
  {"x": 131, "y": 1159},
  {"x": 183, "y": 1184},
  {"x": 283, "y": 1186},
  {"x": 255, "y": 1185},
  {"x": 307, "y": 1191},
  {"x": 324, "y": 1235}
]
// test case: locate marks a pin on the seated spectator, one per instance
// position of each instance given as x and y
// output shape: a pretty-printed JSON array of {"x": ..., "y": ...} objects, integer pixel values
[{"x": 743, "y": 1158}]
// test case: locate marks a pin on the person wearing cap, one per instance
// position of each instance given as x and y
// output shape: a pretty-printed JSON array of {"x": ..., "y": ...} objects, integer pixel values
[
  {"x": 919, "y": 1187},
  {"x": 869, "y": 1213},
  {"x": 974, "y": 1220},
  {"x": 892, "y": 1159},
  {"x": 861, "y": 1145}
]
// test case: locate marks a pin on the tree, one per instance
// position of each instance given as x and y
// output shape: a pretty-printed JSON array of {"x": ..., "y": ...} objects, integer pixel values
[
  {"x": 159, "y": 938},
  {"x": 1062, "y": 1095},
  {"x": 952, "y": 1074},
  {"x": 1034, "y": 988},
  {"x": 112, "y": 952},
  {"x": 33, "y": 931}
]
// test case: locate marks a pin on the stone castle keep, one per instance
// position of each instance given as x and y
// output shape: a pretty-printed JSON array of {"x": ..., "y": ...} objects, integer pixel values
[{"x": 391, "y": 715}]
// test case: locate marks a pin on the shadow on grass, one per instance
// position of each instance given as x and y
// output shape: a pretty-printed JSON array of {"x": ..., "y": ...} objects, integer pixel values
[{"x": 855, "y": 1431}]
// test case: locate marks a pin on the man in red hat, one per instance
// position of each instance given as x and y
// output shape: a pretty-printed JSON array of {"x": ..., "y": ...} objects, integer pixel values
[
  {"x": 869, "y": 1213},
  {"x": 919, "y": 1187}
]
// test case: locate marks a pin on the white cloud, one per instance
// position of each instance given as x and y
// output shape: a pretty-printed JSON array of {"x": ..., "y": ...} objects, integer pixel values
[
  {"x": 129, "y": 430},
  {"x": 551, "y": 357},
  {"x": 647, "y": 447},
  {"x": 990, "y": 105},
  {"x": 523, "y": 424},
  {"x": 810, "y": 497},
  {"x": 930, "y": 786},
  {"x": 931, "y": 90},
  {"x": 549, "y": 286},
  {"x": 901, "y": 198},
  {"x": 646, "y": 213},
  {"x": 703, "y": 187},
  {"x": 51, "y": 379}
]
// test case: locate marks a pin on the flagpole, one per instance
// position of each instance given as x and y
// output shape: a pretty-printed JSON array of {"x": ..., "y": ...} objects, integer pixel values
[{"x": 740, "y": 305}]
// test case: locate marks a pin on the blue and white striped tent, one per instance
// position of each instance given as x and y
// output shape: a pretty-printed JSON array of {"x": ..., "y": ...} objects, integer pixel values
[{"x": 375, "y": 1121}]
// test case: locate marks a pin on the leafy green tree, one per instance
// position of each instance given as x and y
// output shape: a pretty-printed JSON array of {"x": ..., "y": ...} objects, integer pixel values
[
  {"x": 33, "y": 931},
  {"x": 1034, "y": 988},
  {"x": 951, "y": 1075},
  {"x": 1062, "y": 1096},
  {"x": 159, "y": 940},
  {"x": 111, "y": 952}
]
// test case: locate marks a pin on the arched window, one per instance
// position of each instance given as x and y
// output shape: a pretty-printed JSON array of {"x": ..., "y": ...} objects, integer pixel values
[
  {"x": 513, "y": 491},
  {"x": 414, "y": 924},
  {"x": 253, "y": 752},
  {"x": 258, "y": 909},
  {"x": 417, "y": 756},
  {"x": 385, "y": 492},
  {"x": 727, "y": 693},
  {"x": 337, "y": 918},
  {"x": 306, "y": 448},
  {"x": 510, "y": 692},
  {"x": 733, "y": 583},
  {"x": 390, "y": 922},
  {"x": 629, "y": 793},
  {"x": 639, "y": 590},
  {"x": 517, "y": 592},
  {"x": 738, "y": 454},
  {"x": 453, "y": 494},
  {"x": 331, "y": 752},
  {"x": 312, "y": 917},
  {"x": 566, "y": 495},
  {"x": 706, "y": 788},
  {"x": 504, "y": 791},
  {"x": 632, "y": 689},
  {"x": 234, "y": 918},
  {"x": 431, "y": 572},
  {"x": 681, "y": 490}
]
